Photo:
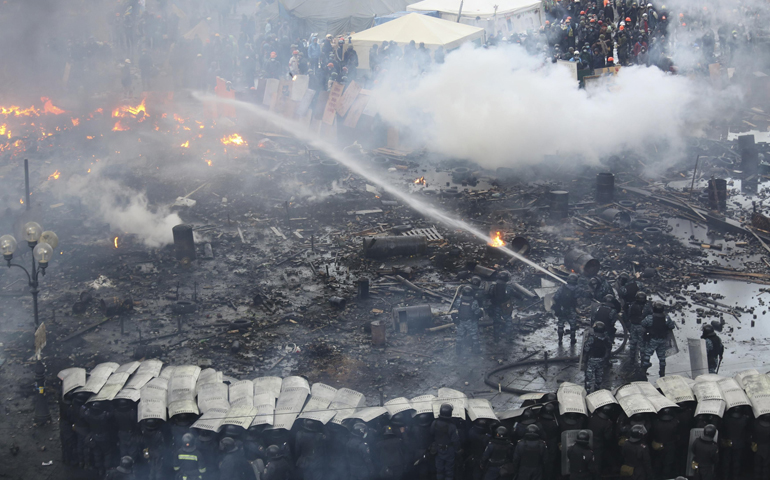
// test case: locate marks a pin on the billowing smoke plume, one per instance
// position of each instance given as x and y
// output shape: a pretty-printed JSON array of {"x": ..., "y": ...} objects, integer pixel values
[
  {"x": 503, "y": 108},
  {"x": 126, "y": 210}
]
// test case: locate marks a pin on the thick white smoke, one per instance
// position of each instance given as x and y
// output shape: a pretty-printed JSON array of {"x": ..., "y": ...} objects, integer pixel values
[
  {"x": 125, "y": 209},
  {"x": 504, "y": 108}
]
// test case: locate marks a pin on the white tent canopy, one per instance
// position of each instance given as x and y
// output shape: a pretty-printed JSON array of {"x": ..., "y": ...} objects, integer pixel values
[
  {"x": 339, "y": 16},
  {"x": 506, "y": 16},
  {"x": 433, "y": 32}
]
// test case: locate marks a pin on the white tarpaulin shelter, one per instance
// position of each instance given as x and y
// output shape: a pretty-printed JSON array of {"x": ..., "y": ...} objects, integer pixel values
[
  {"x": 496, "y": 16},
  {"x": 338, "y": 16},
  {"x": 433, "y": 32}
]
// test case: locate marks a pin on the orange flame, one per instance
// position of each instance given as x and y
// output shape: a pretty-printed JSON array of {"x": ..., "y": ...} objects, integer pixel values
[
  {"x": 48, "y": 107},
  {"x": 21, "y": 201},
  {"x": 128, "y": 109},
  {"x": 233, "y": 139},
  {"x": 119, "y": 127},
  {"x": 178, "y": 118},
  {"x": 208, "y": 162},
  {"x": 497, "y": 240},
  {"x": 4, "y": 131},
  {"x": 75, "y": 121},
  {"x": 55, "y": 175},
  {"x": 115, "y": 242},
  {"x": 186, "y": 144},
  {"x": 420, "y": 181}
]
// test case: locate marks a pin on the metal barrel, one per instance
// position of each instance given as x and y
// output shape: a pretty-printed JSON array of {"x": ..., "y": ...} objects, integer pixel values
[
  {"x": 605, "y": 187},
  {"x": 378, "y": 333},
  {"x": 559, "y": 204},
  {"x": 717, "y": 192},
  {"x": 338, "y": 302},
  {"x": 184, "y": 244},
  {"x": 412, "y": 319},
  {"x": 519, "y": 245},
  {"x": 613, "y": 215},
  {"x": 363, "y": 288},
  {"x": 115, "y": 305},
  {"x": 749, "y": 154},
  {"x": 581, "y": 262},
  {"x": 383, "y": 247}
]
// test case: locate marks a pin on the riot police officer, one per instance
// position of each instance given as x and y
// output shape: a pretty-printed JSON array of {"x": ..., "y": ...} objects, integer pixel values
[
  {"x": 391, "y": 455},
  {"x": 309, "y": 450},
  {"x": 153, "y": 446},
  {"x": 665, "y": 434},
  {"x": 637, "y": 312},
  {"x": 714, "y": 348},
  {"x": 187, "y": 462},
  {"x": 80, "y": 410},
  {"x": 636, "y": 455},
  {"x": 760, "y": 445},
  {"x": 607, "y": 314},
  {"x": 705, "y": 454},
  {"x": 564, "y": 306},
  {"x": 601, "y": 425},
  {"x": 233, "y": 465},
  {"x": 582, "y": 464},
  {"x": 128, "y": 432},
  {"x": 66, "y": 433},
  {"x": 596, "y": 350},
  {"x": 466, "y": 319},
  {"x": 446, "y": 443},
  {"x": 359, "y": 456},
  {"x": 278, "y": 467},
  {"x": 102, "y": 441},
  {"x": 497, "y": 453},
  {"x": 501, "y": 307},
  {"x": 549, "y": 430},
  {"x": 656, "y": 327},
  {"x": 733, "y": 441},
  {"x": 530, "y": 456},
  {"x": 125, "y": 470},
  {"x": 627, "y": 290}
]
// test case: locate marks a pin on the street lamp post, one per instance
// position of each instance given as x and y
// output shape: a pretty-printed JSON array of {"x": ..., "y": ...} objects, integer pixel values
[{"x": 42, "y": 244}]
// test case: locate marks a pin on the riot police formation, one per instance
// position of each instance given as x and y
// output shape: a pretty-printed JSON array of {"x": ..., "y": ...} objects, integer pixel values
[
  {"x": 656, "y": 327},
  {"x": 596, "y": 351},
  {"x": 501, "y": 307},
  {"x": 637, "y": 311},
  {"x": 278, "y": 466},
  {"x": 714, "y": 348},
  {"x": 705, "y": 454},
  {"x": 233, "y": 465},
  {"x": 466, "y": 319},
  {"x": 565, "y": 302},
  {"x": 497, "y": 454},
  {"x": 665, "y": 437},
  {"x": 582, "y": 463}
]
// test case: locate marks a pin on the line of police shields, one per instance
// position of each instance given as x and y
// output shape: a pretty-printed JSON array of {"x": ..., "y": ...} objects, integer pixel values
[{"x": 275, "y": 403}]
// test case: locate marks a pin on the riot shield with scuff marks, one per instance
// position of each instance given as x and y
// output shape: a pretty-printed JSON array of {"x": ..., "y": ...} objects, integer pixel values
[
  {"x": 316, "y": 408},
  {"x": 659, "y": 402},
  {"x": 289, "y": 406},
  {"x": 129, "y": 367},
  {"x": 368, "y": 414},
  {"x": 757, "y": 388},
  {"x": 646, "y": 388},
  {"x": 710, "y": 407},
  {"x": 72, "y": 378},
  {"x": 206, "y": 377},
  {"x": 733, "y": 393},
  {"x": 129, "y": 394},
  {"x": 423, "y": 404},
  {"x": 111, "y": 387},
  {"x": 153, "y": 400},
  {"x": 453, "y": 397},
  {"x": 743, "y": 374},
  {"x": 480, "y": 408},
  {"x": 698, "y": 361},
  {"x": 635, "y": 404},
  {"x": 676, "y": 389},
  {"x": 569, "y": 438},
  {"x": 241, "y": 415},
  {"x": 345, "y": 403},
  {"x": 265, "y": 405},
  {"x": 185, "y": 405},
  {"x": 98, "y": 376},
  {"x": 398, "y": 405},
  {"x": 241, "y": 393},
  {"x": 213, "y": 395},
  {"x": 671, "y": 346},
  {"x": 271, "y": 385},
  {"x": 599, "y": 399},
  {"x": 295, "y": 382},
  {"x": 571, "y": 398},
  {"x": 707, "y": 391},
  {"x": 211, "y": 420}
]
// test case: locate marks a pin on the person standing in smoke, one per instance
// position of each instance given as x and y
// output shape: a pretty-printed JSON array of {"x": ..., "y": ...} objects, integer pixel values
[
  {"x": 350, "y": 61},
  {"x": 446, "y": 443},
  {"x": 498, "y": 453},
  {"x": 359, "y": 455},
  {"x": 501, "y": 307},
  {"x": 125, "y": 79},
  {"x": 596, "y": 350},
  {"x": 439, "y": 56},
  {"x": 565, "y": 305},
  {"x": 656, "y": 328},
  {"x": 530, "y": 456},
  {"x": 309, "y": 449},
  {"x": 466, "y": 319},
  {"x": 637, "y": 312}
]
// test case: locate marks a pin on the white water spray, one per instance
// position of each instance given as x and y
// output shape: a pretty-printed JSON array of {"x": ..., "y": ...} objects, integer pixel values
[{"x": 306, "y": 135}]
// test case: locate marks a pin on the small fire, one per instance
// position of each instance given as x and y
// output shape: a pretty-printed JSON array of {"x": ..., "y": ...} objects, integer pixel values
[
  {"x": 4, "y": 130},
  {"x": 89, "y": 171},
  {"x": 119, "y": 127},
  {"x": 497, "y": 240},
  {"x": 19, "y": 112},
  {"x": 21, "y": 201},
  {"x": 48, "y": 107},
  {"x": 186, "y": 144},
  {"x": 178, "y": 118},
  {"x": 208, "y": 162},
  {"x": 75, "y": 121},
  {"x": 135, "y": 111},
  {"x": 234, "y": 139},
  {"x": 55, "y": 175},
  {"x": 420, "y": 181},
  {"x": 115, "y": 242}
]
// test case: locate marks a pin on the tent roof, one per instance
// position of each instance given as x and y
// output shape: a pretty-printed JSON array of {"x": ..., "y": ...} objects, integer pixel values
[
  {"x": 420, "y": 28},
  {"x": 476, "y": 8},
  {"x": 339, "y": 9}
]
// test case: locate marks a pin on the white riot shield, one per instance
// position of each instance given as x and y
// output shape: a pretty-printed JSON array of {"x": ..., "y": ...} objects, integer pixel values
[
  {"x": 72, "y": 378},
  {"x": 207, "y": 376},
  {"x": 265, "y": 405},
  {"x": 571, "y": 398},
  {"x": 671, "y": 347},
  {"x": 698, "y": 361},
  {"x": 480, "y": 408},
  {"x": 423, "y": 404},
  {"x": 513, "y": 413},
  {"x": 646, "y": 388},
  {"x": 129, "y": 394},
  {"x": 152, "y": 400},
  {"x": 398, "y": 405},
  {"x": 568, "y": 439},
  {"x": 453, "y": 397},
  {"x": 213, "y": 395},
  {"x": 709, "y": 377},
  {"x": 676, "y": 389},
  {"x": 368, "y": 414},
  {"x": 289, "y": 406},
  {"x": 733, "y": 393},
  {"x": 211, "y": 420},
  {"x": 167, "y": 371},
  {"x": 694, "y": 433},
  {"x": 242, "y": 393},
  {"x": 181, "y": 385},
  {"x": 599, "y": 399},
  {"x": 707, "y": 391},
  {"x": 99, "y": 376},
  {"x": 186, "y": 405},
  {"x": 634, "y": 404},
  {"x": 628, "y": 390},
  {"x": 710, "y": 407},
  {"x": 317, "y": 407},
  {"x": 757, "y": 388},
  {"x": 743, "y": 374},
  {"x": 270, "y": 385},
  {"x": 241, "y": 415},
  {"x": 345, "y": 403},
  {"x": 151, "y": 366},
  {"x": 659, "y": 402},
  {"x": 295, "y": 382},
  {"x": 128, "y": 368},
  {"x": 111, "y": 388}
]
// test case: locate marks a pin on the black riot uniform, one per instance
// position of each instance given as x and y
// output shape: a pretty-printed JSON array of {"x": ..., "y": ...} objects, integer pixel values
[
  {"x": 391, "y": 455},
  {"x": 102, "y": 441},
  {"x": 714, "y": 348},
  {"x": 66, "y": 433},
  {"x": 550, "y": 431},
  {"x": 627, "y": 293},
  {"x": 233, "y": 465},
  {"x": 446, "y": 443},
  {"x": 478, "y": 439},
  {"x": 359, "y": 455},
  {"x": 501, "y": 307},
  {"x": 705, "y": 454},
  {"x": 636, "y": 455},
  {"x": 80, "y": 427},
  {"x": 733, "y": 439},
  {"x": 338, "y": 439},
  {"x": 419, "y": 440},
  {"x": 128, "y": 430},
  {"x": 607, "y": 314},
  {"x": 310, "y": 451},
  {"x": 278, "y": 467},
  {"x": 188, "y": 463},
  {"x": 530, "y": 456},
  {"x": 601, "y": 425},
  {"x": 582, "y": 464},
  {"x": 665, "y": 436},
  {"x": 153, "y": 446},
  {"x": 207, "y": 444},
  {"x": 497, "y": 454},
  {"x": 760, "y": 445}
]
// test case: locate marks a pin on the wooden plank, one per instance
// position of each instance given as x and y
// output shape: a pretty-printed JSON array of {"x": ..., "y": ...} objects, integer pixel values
[{"x": 84, "y": 330}]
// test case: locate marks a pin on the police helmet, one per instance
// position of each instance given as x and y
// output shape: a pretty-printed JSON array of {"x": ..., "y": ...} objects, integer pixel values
[
  {"x": 709, "y": 431},
  {"x": 533, "y": 431},
  {"x": 188, "y": 441},
  {"x": 503, "y": 276},
  {"x": 717, "y": 325},
  {"x": 594, "y": 282},
  {"x": 637, "y": 433},
  {"x": 572, "y": 279},
  {"x": 501, "y": 432},
  {"x": 599, "y": 327},
  {"x": 359, "y": 429},
  {"x": 273, "y": 452},
  {"x": 609, "y": 299},
  {"x": 624, "y": 277},
  {"x": 227, "y": 444},
  {"x": 467, "y": 290},
  {"x": 445, "y": 411},
  {"x": 528, "y": 414},
  {"x": 548, "y": 411},
  {"x": 658, "y": 307},
  {"x": 708, "y": 330},
  {"x": 476, "y": 280},
  {"x": 388, "y": 431},
  {"x": 641, "y": 297},
  {"x": 126, "y": 465},
  {"x": 582, "y": 436}
]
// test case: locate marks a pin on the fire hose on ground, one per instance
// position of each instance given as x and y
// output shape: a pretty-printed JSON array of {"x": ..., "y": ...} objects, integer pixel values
[{"x": 526, "y": 362}]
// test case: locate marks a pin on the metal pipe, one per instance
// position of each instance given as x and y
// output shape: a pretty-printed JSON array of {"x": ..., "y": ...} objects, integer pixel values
[
  {"x": 383, "y": 247},
  {"x": 26, "y": 183}
]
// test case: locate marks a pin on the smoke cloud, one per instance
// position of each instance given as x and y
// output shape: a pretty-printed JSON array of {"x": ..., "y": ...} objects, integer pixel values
[{"x": 504, "y": 108}]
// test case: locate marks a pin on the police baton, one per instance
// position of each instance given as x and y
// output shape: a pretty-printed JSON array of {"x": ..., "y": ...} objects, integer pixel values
[{"x": 719, "y": 364}]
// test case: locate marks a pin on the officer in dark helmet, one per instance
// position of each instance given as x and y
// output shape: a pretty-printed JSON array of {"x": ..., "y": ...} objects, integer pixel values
[
  {"x": 188, "y": 463},
  {"x": 359, "y": 455},
  {"x": 760, "y": 445},
  {"x": 391, "y": 455},
  {"x": 656, "y": 327},
  {"x": 602, "y": 426},
  {"x": 582, "y": 463},
  {"x": 637, "y": 312},
  {"x": 125, "y": 470},
  {"x": 636, "y": 456},
  {"x": 153, "y": 446},
  {"x": 446, "y": 443},
  {"x": 665, "y": 436},
  {"x": 733, "y": 440},
  {"x": 309, "y": 449},
  {"x": 627, "y": 290},
  {"x": 596, "y": 350},
  {"x": 466, "y": 319},
  {"x": 478, "y": 439},
  {"x": 714, "y": 348},
  {"x": 278, "y": 467},
  {"x": 607, "y": 314},
  {"x": 530, "y": 456},
  {"x": 233, "y": 465},
  {"x": 498, "y": 453},
  {"x": 705, "y": 454},
  {"x": 565, "y": 305},
  {"x": 501, "y": 307}
]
